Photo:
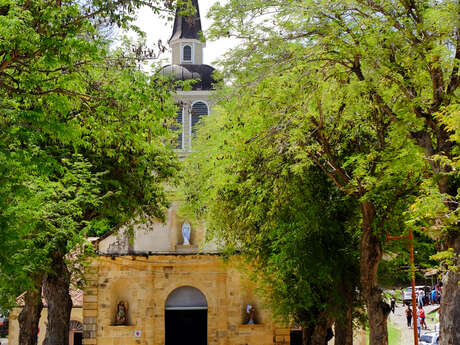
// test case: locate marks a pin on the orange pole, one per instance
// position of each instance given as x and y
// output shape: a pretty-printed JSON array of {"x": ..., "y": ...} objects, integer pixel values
[{"x": 412, "y": 273}]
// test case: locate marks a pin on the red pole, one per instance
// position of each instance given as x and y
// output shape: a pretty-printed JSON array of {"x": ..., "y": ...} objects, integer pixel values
[{"x": 412, "y": 273}]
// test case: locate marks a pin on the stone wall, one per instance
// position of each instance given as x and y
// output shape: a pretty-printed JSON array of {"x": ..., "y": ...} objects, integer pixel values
[
  {"x": 13, "y": 331},
  {"x": 157, "y": 237},
  {"x": 146, "y": 282}
]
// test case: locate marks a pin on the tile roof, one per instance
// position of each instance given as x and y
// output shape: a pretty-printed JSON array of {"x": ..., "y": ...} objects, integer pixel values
[{"x": 75, "y": 294}]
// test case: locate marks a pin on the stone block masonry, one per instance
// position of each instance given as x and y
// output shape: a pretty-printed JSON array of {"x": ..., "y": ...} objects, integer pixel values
[
  {"x": 145, "y": 284},
  {"x": 90, "y": 305}
]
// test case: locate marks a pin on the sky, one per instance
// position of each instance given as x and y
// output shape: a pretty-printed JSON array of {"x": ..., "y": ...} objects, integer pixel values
[{"x": 157, "y": 28}]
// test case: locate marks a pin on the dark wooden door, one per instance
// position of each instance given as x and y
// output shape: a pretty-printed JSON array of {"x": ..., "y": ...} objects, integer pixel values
[
  {"x": 78, "y": 338},
  {"x": 186, "y": 327}
]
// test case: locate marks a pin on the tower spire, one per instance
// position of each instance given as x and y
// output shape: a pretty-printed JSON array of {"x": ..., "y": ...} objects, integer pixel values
[
  {"x": 188, "y": 27},
  {"x": 186, "y": 40}
]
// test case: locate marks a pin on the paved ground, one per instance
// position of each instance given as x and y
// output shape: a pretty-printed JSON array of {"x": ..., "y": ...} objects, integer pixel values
[
  {"x": 398, "y": 319},
  {"x": 407, "y": 334}
]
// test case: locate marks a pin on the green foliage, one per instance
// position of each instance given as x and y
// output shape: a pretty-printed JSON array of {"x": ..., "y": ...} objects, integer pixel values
[
  {"x": 295, "y": 229},
  {"x": 447, "y": 258},
  {"x": 84, "y": 139},
  {"x": 371, "y": 89},
  {"x": 394, "y": 270},
  {"x": 366, "y": 91},
  {"x": 394, "y": 334},
  {"x": 381, "y": 71}
]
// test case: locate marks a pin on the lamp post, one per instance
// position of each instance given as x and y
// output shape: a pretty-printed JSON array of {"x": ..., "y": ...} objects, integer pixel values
[{"x": 412, "y": 274}]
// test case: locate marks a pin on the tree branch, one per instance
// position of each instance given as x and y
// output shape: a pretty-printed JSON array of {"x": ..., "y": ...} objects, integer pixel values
[
  {"x": 322, "y": 140},
  {"x": 7, "y": 62},
  {"x": 26, "y": 5},
  {"x": 455, "y": 77},
  {"x": 328, "y": 173}
]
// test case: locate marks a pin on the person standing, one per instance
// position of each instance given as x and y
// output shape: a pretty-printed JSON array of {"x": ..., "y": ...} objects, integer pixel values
[
  {"x": 419, "y": 327},
  {"x": 409, "y": 315},
  {"x": 433, "y": 296},
  {"x": 439, "y": 292},
  {"x": 420, "y": 298},
  {"x": 421, "y": 315},
  {"x": 393, "y": 302}
]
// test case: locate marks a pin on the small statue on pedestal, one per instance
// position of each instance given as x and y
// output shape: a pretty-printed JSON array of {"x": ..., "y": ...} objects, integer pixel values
[
  {"x": 251, "y": 311},
  {"x": 186, "y": 229},
  {"x": 121, "y": 317}
]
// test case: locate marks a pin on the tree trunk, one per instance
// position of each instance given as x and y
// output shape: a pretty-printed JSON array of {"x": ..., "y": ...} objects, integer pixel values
[
  {"x": 450, "y": 302},
  {"x": 319, "y": 335},
  {"x": 344, "y": 331},
  {"x": 306, "y": 336},
  {"x": 344, "y": 325},
  {"x": 371, "y": 254},
  {"x": 30, "y": 315},
  {"x": 56, "y": 291}
]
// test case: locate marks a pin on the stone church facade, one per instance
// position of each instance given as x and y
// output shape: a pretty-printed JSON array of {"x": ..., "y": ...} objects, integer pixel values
[{"x": 170, "y": 291}]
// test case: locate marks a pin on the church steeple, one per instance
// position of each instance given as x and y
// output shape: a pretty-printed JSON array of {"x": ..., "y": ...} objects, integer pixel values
[
  {"x": 187, "y": 27},
  {"x": 186, "y": 39}
]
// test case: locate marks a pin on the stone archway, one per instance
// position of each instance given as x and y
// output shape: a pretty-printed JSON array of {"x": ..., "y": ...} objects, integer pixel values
[
  {"x": 75, "y": 333},
  {"x": 186, "y": 317}
]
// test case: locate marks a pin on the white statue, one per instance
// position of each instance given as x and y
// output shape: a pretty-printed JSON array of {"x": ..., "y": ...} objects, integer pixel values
[{"x": 186, "y": 233}]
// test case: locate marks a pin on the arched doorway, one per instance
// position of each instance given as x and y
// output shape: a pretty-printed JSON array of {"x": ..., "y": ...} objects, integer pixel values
[
  {"x": 75, "y": 333},
  {"x": 186, "y": 317}
]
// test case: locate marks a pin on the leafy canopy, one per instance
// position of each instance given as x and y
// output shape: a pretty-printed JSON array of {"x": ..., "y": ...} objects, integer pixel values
[{"x": 84, "y": 132}]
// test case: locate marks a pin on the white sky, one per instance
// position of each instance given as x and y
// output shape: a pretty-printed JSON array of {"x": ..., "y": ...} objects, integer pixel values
[{"x": 157, "y": 28}]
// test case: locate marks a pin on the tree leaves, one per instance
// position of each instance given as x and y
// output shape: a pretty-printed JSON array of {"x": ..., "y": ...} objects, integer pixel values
[
  {"x": 365, "y": 91},
  {"x": 83, "y": 141}
]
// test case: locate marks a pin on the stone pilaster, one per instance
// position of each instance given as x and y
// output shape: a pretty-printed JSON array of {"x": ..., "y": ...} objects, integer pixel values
[
  {"x": 282, "y": 336},
  {"x": 90, "y": 304}
]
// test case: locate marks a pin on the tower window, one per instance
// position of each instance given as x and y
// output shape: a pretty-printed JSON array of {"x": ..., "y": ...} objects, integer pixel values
[
  {"x": 199, "y": 109},
  {"x": 187, "y": 54},
  {"x": 177, "y": 127}
]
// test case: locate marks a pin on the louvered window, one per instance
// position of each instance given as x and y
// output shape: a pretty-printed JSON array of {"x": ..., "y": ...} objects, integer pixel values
[
  {"x": 187, "y": 54},
  {"x": 199, "y": 109},
  {"x": 177, "y": 127}
]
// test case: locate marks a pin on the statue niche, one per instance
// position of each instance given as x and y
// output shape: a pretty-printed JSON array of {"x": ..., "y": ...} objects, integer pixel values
[
  {"x": 251, "y": 312},
  {"x": 121, "y": 317},
  {"x": 186, "y": 229},
  {"x": 185, "y": 243}
]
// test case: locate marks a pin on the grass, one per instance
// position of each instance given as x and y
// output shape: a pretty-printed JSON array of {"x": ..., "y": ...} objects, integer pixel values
[
  {"x": 394, "y": 335},
  {"x": 432, "y": 318}
]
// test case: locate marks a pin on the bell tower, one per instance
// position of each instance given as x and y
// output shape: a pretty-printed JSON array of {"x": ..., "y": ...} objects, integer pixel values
[
  {"x": 187, "y": 46},
  {"x": 186, "y": 40}
]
